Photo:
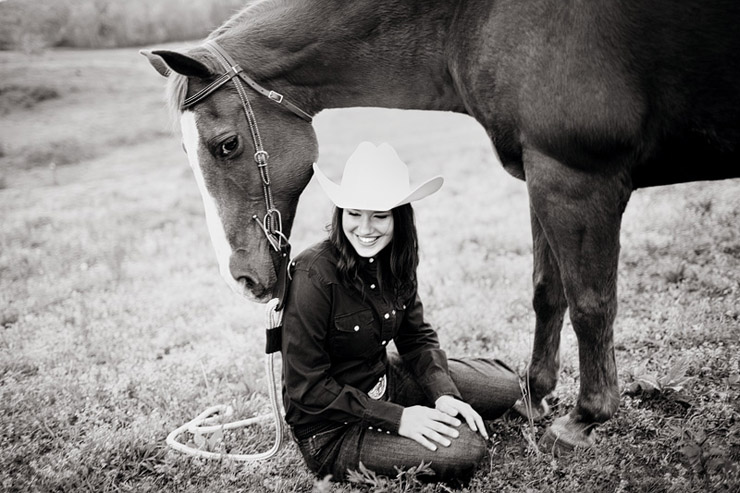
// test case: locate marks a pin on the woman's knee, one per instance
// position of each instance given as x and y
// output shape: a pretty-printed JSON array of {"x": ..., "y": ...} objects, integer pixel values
[
  {"x": 471, "y": 446},
  {"x": 461, "y": 458},
  {"x": 489, "y": 385}
]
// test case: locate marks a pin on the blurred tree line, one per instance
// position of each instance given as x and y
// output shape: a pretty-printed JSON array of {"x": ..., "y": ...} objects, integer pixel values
[{"x": 32, "y": 25}]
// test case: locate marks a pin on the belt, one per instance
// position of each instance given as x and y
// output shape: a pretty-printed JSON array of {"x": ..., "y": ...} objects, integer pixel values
[
  {"x": 301, "y": 432},
  {"x": 378, "y": 391}
]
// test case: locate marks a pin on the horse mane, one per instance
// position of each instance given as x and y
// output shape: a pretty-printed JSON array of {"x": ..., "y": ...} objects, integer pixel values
[
  {"x": 264, "y": 27},
  {"x": 251, "y": 8}
]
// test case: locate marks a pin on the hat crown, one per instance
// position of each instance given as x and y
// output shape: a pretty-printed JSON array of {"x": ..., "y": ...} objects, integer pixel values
[{"x": 372, "y": 170}]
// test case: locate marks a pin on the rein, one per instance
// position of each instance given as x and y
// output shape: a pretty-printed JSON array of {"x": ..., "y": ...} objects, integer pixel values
[{"x": 272, "y": 223}]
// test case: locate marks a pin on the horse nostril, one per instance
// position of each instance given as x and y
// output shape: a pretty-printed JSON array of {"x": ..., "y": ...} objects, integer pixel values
[
  {"x": 248, "y": 281},
  {"x": 252, "y": 285},
  {"x": 243, "y": 274}
]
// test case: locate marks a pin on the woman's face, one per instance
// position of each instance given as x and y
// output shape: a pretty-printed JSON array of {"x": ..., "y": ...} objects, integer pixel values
[{"x": 368, "y": 231}]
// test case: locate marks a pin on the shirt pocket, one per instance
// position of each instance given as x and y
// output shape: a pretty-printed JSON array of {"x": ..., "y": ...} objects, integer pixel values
[
  {"x": 354, "y": 334},
  {"x": 400, "y": 319}
]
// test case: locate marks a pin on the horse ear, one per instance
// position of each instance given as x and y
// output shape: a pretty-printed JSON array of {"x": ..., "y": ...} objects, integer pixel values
[
  {"x": 157, "y": 62},
  {"x": 165, "y": 62}
]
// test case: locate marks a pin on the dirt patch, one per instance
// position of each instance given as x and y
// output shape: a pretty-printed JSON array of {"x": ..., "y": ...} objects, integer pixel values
[
  {"x": 669, "y": 405},
  {"x": 14, "y": 97},
  {"x": 55, "y": 153}
]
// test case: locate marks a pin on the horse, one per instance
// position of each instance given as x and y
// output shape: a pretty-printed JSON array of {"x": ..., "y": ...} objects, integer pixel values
[{"x": 585, "y": 100}]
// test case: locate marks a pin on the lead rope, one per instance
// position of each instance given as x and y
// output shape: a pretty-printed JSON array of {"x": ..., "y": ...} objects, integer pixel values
[{"x": 205, "y": 422}]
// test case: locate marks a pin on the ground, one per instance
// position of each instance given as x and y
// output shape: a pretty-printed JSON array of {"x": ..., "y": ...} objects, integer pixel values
[{"x": 115, "y": 327}]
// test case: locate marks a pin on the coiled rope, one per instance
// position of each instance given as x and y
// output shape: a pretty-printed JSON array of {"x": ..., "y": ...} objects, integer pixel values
[{"x": 205, "y": 422}]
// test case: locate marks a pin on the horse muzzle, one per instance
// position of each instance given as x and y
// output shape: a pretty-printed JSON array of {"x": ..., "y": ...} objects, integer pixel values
[{"x": 250, "y": 279}]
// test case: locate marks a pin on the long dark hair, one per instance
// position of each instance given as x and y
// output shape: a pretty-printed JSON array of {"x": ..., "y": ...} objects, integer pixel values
[{"x": 397, "y": 262}]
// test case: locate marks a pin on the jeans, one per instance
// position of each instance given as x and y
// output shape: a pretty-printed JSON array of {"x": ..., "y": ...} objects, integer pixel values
[{"x": 488, "y": 385}]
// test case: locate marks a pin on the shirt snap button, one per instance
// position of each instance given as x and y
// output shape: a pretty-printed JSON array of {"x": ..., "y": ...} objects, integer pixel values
[
  {"x": 357, "y": 327},
  {"x": 371, "y": 260},
  {"x": 393, "y": 312},
  {"x": 384, "y": 343},
  {"x": 372, "y": 286},
  {"x": 387, "y": 315}
]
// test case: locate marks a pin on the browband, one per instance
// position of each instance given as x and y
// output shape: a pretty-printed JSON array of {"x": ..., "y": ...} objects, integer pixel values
[{"x": 234, "y": 70}]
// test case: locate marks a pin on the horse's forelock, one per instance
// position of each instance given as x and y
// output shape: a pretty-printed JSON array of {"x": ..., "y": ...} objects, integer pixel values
[{"x": 177, "y": 86}]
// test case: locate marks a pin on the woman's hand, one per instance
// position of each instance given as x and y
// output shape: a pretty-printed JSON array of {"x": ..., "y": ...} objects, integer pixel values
[
  {"x": 424, "y": 425},
  {"x": 451, "y": 406}
]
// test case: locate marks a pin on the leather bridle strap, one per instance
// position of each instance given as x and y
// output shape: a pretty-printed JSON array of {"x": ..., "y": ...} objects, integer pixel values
[
  {"x": 271, "y": 224},
  {"x": 235, "y": 70}
]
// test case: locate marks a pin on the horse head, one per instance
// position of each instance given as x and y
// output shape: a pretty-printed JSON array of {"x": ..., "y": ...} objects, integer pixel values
[{"x": 251, "y": 159}]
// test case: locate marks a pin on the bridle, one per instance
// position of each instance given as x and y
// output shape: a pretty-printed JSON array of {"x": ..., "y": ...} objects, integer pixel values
[{"x": 271, "y": 224}]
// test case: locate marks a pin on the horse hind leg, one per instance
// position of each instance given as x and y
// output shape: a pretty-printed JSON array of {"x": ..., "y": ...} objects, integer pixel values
[
  {"x": 549, "y": 306},
  {"x": 580, "y": 213}
]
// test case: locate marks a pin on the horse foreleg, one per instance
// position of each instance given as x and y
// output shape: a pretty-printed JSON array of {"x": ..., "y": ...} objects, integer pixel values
[
  {"x": 580, "y": 213},
  {"x": 549, "y": 306}
]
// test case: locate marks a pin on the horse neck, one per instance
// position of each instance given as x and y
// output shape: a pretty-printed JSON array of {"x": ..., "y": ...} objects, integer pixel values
[{"x": 338, "y": 53}]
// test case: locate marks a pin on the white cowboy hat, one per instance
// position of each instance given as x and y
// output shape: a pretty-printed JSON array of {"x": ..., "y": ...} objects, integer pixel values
[{"x": 375, "y": 179}]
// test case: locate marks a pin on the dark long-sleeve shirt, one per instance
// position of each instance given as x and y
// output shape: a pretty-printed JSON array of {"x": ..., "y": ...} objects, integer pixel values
[{"x": 334, "y": 345}]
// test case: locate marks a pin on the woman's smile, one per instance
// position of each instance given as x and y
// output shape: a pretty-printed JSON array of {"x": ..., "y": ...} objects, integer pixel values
[{"x": 367, "y": 240}]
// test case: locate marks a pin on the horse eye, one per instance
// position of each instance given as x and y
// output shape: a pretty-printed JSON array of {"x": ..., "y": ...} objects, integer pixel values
[{"x": 228, "y": 147}]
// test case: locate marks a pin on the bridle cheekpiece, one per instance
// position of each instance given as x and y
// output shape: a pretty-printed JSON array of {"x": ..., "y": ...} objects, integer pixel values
[{"x": 271, "y": 224}]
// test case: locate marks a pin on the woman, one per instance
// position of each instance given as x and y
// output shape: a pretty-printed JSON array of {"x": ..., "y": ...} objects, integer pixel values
[{"x": 346, "y": 398}]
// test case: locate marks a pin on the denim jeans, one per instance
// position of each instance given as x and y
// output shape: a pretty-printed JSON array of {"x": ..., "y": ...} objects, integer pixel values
[{"x": 488, "y": 385}]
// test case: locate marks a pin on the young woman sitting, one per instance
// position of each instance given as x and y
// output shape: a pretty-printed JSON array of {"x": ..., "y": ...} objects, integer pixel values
[{"x": 347, "y": 398}]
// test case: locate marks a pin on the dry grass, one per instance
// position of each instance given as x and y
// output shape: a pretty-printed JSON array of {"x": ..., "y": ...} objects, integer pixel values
[{"x": 116, "y": 327}]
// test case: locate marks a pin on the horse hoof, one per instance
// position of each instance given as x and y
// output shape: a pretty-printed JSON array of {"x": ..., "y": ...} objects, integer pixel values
[
  {"x": 532, "y": 410},
  {"x": 564, "y": 436}
]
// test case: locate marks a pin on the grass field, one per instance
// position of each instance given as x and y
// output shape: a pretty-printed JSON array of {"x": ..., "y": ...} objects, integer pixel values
[{"x": 115, "y": 327}]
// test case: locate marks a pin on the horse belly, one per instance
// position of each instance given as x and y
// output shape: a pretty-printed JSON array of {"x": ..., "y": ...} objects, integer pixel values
[
  {"x": 650, "y": 86},
  {"x": 692, "y": 156}
]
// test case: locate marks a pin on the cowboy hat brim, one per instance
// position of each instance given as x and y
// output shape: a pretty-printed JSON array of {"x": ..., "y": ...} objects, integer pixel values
[{"x": 374, "y": 201}]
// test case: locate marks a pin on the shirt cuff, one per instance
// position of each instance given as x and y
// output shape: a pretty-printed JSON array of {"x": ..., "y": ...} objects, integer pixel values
[
  {"x": 438, "y": 385},
  {"x": 383, "y": 415}
]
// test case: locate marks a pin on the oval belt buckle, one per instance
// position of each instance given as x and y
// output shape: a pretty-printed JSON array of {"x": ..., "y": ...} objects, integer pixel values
[{"x": 378, "y": 391}]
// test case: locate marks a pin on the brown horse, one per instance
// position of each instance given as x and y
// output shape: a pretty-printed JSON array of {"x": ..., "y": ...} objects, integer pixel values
[{"x": 585, "y": 100}]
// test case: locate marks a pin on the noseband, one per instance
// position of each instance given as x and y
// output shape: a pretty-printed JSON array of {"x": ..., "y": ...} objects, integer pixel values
[{"x": 271, "y": 224}]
